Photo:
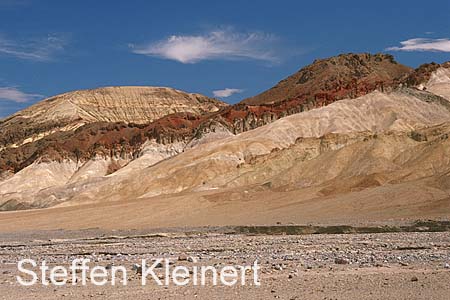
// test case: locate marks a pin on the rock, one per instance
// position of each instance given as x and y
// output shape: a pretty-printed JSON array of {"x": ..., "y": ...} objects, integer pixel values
[
  {"x": 137, "y": 268},
  {"x": 341, "y": 261},
  {"x": 278, "y": 267},
  {"x": 414, "y": 278},
  {"x": 182, "y": 257}
]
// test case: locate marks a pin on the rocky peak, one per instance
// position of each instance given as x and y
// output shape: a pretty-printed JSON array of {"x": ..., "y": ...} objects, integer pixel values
[{"x": 343, "y": 76}]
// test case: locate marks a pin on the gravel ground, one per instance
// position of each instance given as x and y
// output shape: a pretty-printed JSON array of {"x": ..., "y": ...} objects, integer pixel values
[{"x": 334, "y": 266}]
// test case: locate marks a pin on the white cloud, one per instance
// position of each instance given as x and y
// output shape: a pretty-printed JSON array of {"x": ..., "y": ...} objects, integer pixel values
[
  {"x": 15, "y": 95},
  {"x": 226, "y": 92},
  {"x": 37, "y": 49},
  {"x": 421, "y": 44},
  {"x": 220, "y": 44}
]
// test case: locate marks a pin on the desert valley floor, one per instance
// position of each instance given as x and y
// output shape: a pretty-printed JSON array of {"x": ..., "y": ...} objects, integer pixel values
[{"x": 320, "y": 266}]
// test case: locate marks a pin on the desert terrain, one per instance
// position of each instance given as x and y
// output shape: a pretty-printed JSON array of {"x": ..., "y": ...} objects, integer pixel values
[
  {"x": 320, "y": 266},
  {"x": 337, "y": 180}
]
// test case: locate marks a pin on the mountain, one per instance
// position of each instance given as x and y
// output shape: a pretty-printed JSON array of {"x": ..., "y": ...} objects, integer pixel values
[
  {"x": 318, "y": 84},
  {"x": 229, "y": 162},
  {"x": 77, "y": 124},
  {"x": 69, "y": 111},
  {"x": 63, "y": 126},
  {"x": 291, "y": 160},
  {"x": 344, "y": 76}
]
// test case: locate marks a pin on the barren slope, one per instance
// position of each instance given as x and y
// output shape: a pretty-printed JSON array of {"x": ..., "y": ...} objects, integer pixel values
[
  {"x": 338, "y": 179},
  {"x": 229, "y": 162}
]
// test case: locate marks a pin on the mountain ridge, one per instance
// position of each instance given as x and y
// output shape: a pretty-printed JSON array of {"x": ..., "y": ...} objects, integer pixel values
[{"x": 190, "y": 152}]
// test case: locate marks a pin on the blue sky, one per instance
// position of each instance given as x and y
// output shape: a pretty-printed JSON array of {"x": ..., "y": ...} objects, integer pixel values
[{"x": 231, "y": 49}]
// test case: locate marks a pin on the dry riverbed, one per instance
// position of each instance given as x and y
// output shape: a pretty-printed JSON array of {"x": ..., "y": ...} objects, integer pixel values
[{"x": 401, "y": 265}]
